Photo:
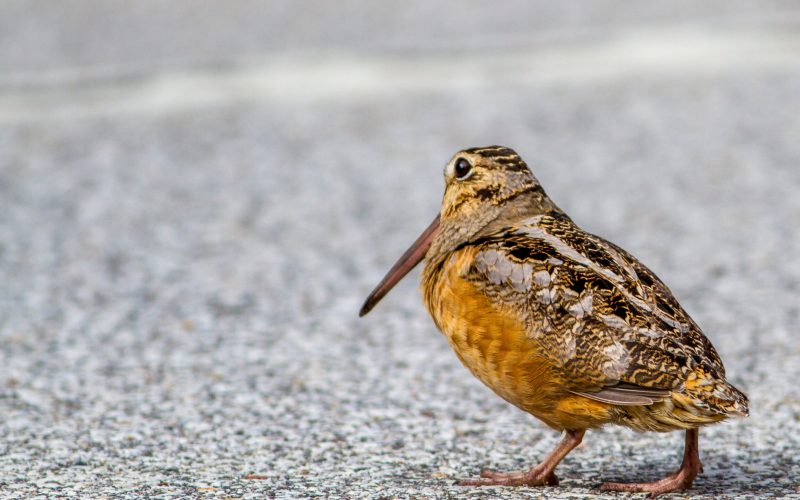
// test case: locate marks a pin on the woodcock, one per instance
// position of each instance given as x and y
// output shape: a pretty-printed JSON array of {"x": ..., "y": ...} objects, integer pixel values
[{"x": 559, "y": 322}]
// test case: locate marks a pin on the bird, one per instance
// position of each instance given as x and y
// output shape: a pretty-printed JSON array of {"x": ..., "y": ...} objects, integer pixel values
[{"x": 559, "y": 322}]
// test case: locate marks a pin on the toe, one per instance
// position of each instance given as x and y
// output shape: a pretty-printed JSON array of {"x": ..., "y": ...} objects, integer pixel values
[{"x": 482, "y": 481}]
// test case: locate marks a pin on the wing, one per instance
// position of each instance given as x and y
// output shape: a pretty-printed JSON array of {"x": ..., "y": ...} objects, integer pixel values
[{"x": 606, "y": 321}]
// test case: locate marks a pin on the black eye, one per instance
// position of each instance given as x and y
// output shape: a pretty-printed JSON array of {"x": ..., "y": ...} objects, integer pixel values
[{"x": 463, "y": 168}]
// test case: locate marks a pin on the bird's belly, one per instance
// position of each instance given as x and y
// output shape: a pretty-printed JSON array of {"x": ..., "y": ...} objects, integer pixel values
[
  {"x": 494, "y": 345},
  {"x": 493, "y": 342}
]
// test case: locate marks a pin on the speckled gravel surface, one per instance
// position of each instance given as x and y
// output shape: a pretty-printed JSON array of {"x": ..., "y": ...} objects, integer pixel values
[{"x": 179, "y": 290}]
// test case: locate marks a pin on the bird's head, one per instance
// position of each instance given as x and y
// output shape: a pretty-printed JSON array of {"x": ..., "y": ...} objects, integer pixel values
[{"x": 486, "y": 189}]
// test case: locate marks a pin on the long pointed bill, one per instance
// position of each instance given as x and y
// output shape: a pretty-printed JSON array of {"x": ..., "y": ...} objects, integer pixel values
[{"x": 415, "y": 253}]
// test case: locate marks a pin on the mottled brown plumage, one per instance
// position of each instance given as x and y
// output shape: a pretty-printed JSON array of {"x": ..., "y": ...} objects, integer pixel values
[{"x": 559, "y": 322}]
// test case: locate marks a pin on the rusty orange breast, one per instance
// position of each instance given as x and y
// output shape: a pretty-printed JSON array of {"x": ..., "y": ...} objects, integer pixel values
[{"x": 491, "y": 341}]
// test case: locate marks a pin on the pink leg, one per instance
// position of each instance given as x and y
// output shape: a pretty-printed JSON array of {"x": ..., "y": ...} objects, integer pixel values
[
  {"x": 541, "y": 475},
  {"x": 681, "y": 480}
]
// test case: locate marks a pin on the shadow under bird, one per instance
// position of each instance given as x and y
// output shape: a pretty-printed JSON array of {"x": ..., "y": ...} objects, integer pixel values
[{"x": 559, "y": 322}]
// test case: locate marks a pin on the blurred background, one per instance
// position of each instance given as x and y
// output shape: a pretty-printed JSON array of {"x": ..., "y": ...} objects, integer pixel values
[{"x": 195, "y": 198}]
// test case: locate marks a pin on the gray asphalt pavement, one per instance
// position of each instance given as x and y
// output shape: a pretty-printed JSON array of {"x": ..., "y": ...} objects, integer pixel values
[{"x": 196, "y": 199}]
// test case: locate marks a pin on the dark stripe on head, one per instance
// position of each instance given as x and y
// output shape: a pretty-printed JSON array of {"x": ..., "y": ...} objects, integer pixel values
[
  {"x": 505, "y": 158},
  {"x": 488, "y": 192},
  {"x": 512, "y": 163},
  {"x": 492, "y": 151},
  {"x": 530, "y": 188}
]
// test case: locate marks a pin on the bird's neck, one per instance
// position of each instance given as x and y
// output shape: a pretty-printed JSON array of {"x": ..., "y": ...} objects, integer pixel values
[{"x": 457, "y": 231}]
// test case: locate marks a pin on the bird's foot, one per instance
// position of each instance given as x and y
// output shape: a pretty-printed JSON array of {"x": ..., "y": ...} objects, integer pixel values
[
  {"x": 537, "y": 476},
  {"x": 681, "y": 480},
  {"x": 541, "y": 475}
]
